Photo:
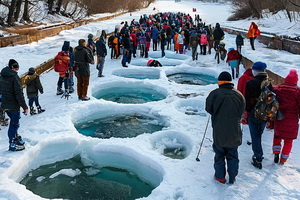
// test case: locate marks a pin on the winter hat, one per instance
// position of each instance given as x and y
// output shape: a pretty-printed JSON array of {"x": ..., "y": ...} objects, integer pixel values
[
  {"x": 13, "y": 64},
  {"x": 230, "y": 49},
  {"x": 259, "y": 66},
  {"x": 66, "y": 46},
  {"x": 31, "y": 71},
  {"x": 292, "y": 77},
  {"x": 217, "y": 25},
  {"x": 224, "y": 77}
]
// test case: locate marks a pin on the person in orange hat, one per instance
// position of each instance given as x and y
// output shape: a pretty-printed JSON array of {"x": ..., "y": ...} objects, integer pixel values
[{"x": 288, "y": 96}]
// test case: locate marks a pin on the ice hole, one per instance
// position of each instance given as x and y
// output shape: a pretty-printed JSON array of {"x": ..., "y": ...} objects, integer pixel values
[
  {"x": 192, "y": 75},
  {"x": 130, "y": 92},
  {"x": 169, "y": 55},
  {"x": 146, "y": 73},
  {"x": 120, "y": 121},
  {"x": 193, "y": 106},
  {"x": 163, "y": 61},
  {"x": 172, "y": 144},
  {"x": 99, "y": 172}
]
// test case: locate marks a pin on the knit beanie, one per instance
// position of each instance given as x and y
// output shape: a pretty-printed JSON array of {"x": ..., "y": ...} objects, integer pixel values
[
  {"x": 292, "y": 77},
  {"x": 259, "y": 66},
  {"x": 13, "y": 64},
  {"x": 66, "y": 46},
  {"x": 31, "y": 71},
  {"x": 224, "y": 77}
]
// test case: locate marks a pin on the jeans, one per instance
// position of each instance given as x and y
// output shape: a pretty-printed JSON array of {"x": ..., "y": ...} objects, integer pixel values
[
  {"x": 194, "y": 52},
  {"x": 232, "y": 158},
  {"x": 154, "y": 44},
  {"x": 101, "y": 65},
  {"x": 13, "y": 125},
  {"x": 125, "y": 57},
  {"x": 35, "y": 100},
  {"x": 256, "y": 127}
]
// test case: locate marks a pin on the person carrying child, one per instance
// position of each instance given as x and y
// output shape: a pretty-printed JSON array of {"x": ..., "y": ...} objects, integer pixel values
[
  {"x": 33, "y": 87},
  {"x": 233, "y": 58}
]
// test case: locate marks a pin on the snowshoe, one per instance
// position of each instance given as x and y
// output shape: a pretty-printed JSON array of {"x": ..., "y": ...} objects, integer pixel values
[{"x": 59, "y": 91}]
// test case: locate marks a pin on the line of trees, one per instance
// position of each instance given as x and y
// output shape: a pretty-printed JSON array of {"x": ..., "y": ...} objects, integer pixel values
[
  {"x": 256, "y": 8},
  {"x": 13, "y": 11}
]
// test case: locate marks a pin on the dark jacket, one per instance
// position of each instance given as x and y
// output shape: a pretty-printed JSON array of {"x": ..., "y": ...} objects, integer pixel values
[
  {"x": 218, "y": 33},
  {"x": 194, "y": 40},
  {"x": 33, "y": 85},
  {"x": 101, "y": 48},
  {"x": 11, "y": 90},
  {"x": 83, "y": 56},
  {"x": 253, "y": 90},
  {"x": 226, "y": 106},
  {"x": 126, "y": 42},
  {"x": 239, "y": 40}
]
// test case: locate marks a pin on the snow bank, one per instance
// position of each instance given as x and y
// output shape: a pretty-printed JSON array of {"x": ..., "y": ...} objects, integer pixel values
[
  {"x": 192, "y": 70},
  {"x": 150, "y": 73},
  {"x": 193, "y": 106}
]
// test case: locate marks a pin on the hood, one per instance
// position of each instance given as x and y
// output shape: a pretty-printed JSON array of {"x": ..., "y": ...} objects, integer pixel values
[
  {"x": 7, "y": 72},
  {"x": 248, "y": 72}
]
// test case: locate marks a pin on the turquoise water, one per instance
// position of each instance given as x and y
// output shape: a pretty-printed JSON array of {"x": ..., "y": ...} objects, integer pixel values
[
  {"x": 130, "y": 95},
  {"x": 192, "y": 79},
  {"x": 120, "y": 127},
  {"x": 92, "y": 183},
  {"x": 140, "y": 76}
]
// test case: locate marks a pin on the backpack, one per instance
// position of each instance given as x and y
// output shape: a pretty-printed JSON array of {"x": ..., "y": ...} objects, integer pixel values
[
  {"x": 267, "y": 105},
  {"x": 61, "y": 62}
]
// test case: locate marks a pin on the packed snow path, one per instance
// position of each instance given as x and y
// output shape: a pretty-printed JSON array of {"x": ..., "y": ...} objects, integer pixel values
[{"x": 51, "y": 136}]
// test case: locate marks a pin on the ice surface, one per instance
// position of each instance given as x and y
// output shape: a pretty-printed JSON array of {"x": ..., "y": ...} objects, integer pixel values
[{"x": 147, "y": 73}]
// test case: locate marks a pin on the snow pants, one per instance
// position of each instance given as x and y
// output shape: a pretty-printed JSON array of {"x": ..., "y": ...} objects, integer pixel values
[
  {"x": 194, "y": 52},
  {"x": 286, "y": 150},
  {"x": 13, "y": 125},
  {"x": 256, "y": 127},
  {"x": 82, "y": 85},
  {"x": 100, "y": 65},
  {"x": 232, "y": 159}
]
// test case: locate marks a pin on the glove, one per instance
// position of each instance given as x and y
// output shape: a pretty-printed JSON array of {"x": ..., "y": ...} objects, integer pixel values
[{"x": 244, "y": 119}]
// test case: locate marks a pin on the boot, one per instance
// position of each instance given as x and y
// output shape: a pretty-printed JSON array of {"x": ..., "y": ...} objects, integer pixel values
[
  {"x": 32, "y": 111},
  {"x": 256, "y": 163},
  {"x": 40, "y": 110},
  {"x": 276, "y": 158}
]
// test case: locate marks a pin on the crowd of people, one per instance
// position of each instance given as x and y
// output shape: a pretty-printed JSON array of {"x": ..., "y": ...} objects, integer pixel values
[{"x": 229, "y": 107}]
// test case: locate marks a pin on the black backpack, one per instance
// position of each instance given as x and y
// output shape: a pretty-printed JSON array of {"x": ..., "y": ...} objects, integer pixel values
[{"x": 266, "y": 107}]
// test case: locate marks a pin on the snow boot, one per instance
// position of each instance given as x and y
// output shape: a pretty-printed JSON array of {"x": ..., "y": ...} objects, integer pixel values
[
  {"x": 59, "y": 91},
  {"x": 18, "y": 144},
  {"x": 85, "y": 98},
  {"x": 231, "y": 180},
  {"x": 32, "y": 111},
  {"x": 256, "y": 163},
  {"x": 220, "y": 180},
  {"x": 276, "y": 158},
  {"x": 40, "y": 109}
]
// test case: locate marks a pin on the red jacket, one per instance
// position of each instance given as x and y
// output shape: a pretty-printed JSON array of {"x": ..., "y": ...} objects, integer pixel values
[
  {"x": 288, "y": 96},
  {"x": 233, "y": 55},
  {"x": 133, "y": 39},
  {"x": 243, "y": 80}
]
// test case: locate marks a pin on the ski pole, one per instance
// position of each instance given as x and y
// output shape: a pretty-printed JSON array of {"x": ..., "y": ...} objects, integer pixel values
[{"x": 197, "y": 158}]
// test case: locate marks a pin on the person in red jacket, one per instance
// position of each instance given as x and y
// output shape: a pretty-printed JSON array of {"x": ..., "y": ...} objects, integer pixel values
[
  {"x": 134, "y": 41},
  {"x": 233, "y": 58},
  {"x": 288, "y": 96}
]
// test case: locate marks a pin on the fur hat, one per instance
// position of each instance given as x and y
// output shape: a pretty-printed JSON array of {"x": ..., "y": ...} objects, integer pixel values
[
  {"x": 13, "y": 64},
  {"x": 292, "y": 77},
  {"x": 259, "y": 66}
]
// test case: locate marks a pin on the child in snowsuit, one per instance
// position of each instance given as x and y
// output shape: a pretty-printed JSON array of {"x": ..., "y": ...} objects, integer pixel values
[
  {"x": 288, "y": 95},
  {"x": 233, "y": 58},
  {"x": 33, "y": 87}
]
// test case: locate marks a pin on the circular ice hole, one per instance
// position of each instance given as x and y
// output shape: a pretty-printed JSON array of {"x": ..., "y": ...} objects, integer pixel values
[
  {"x": 193, "y": 106},
  {"x": 147, "y": 73},
  {"x": 163, "y": 61},
  {"x": 100, "y": 171},
  {"x": 172, "y": 144},
  {"x": 169, "y": 55},
  {"x": 130, "y": 92},
  {"x": 121, "y": 126},
  {"x": 192, "y": 76}
]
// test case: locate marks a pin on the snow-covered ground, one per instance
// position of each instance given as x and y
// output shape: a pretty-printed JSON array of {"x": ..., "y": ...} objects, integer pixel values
[{"x": 51, "y": 136}]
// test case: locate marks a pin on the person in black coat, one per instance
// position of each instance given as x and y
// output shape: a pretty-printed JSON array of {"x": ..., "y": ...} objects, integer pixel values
[
  {"x": 83, "y": 57},
  {"x": 239, "y": 40},
  {"x": 12, "y": 100},
  {"x": 226, "y": 106},
  {"x": 127, "y": 50},
  {"x": 101, "y": 54},
  {"x": 218, "y": 35},
  {"x": 256, "y": 126},
  {"x": 34, "y": 86}
]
